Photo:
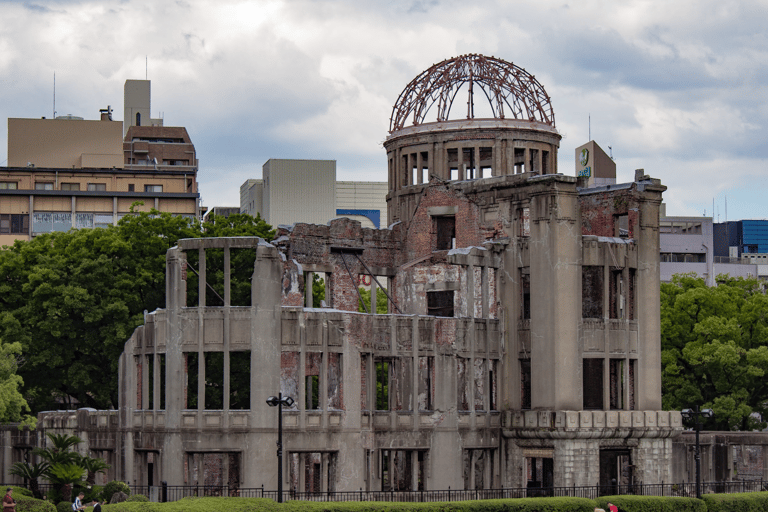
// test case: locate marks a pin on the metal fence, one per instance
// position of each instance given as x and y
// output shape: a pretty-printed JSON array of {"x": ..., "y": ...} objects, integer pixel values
[{"x": 686, "y": 489}]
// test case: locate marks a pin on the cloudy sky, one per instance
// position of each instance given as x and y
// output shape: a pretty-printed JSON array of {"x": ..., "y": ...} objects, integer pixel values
[{"x": 679, "y": 88}]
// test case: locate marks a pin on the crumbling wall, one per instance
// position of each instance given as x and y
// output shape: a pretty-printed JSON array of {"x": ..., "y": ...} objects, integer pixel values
[{"x": 600, "y": 211}]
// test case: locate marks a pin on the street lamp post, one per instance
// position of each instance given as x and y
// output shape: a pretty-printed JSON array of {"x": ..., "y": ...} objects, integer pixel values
[
  {"x": 695, "y": 414},
  {"x": 278, "y": 401}
]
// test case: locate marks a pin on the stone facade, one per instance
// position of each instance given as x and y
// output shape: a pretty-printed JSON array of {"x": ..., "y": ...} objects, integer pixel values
[{"x": 520, "y": 347}]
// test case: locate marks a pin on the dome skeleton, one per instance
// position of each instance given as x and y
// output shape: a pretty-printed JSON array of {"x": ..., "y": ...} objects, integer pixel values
[{"x": 503, "y": 83}]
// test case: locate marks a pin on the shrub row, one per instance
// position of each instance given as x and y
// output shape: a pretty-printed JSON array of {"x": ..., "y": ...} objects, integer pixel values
[{"x": 744, "y": 502}]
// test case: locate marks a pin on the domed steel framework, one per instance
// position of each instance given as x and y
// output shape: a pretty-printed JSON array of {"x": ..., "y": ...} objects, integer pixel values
[{"x": 512, "y": 92}]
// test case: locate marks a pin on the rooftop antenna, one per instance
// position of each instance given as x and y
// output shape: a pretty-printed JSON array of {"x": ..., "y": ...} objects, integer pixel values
[{"x": 610, "y": 152}]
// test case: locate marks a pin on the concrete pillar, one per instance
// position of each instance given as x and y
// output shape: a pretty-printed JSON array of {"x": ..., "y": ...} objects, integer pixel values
[
  {"x": 266, "y": 335},
  {"x": 144, "y": 382},
  {"x": 648, "y": 375},
  {"x": 554, "y": 240},
  {"x": 419, "y": 168},
  {"x": 478, "y": 168},
  {"x": 374, "y": 288},
  {"x": 73, "y": 210},
  {"x": 460, "y": 164},
  {"x": 308, "y": 277},
  {"x": 114, "y": 211}
]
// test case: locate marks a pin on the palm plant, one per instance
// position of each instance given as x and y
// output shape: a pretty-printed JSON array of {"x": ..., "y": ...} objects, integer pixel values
[
  {"x": 92, "y": 466},
  {"x": 30, "y": 472},
  {"x": 65, "y": 475}
]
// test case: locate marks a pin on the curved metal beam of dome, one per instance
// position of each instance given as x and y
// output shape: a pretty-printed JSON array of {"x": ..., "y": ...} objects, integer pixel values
[{"x": 497, "y": 78}]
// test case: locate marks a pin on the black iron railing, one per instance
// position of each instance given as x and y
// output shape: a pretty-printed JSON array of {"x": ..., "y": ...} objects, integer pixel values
[{"x": 686, "y": 489}]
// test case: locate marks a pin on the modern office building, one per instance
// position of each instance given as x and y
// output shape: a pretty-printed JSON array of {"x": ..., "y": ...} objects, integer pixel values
[
  {"x": 69, "y": 172},
  {"x": 294, "y": 191}
]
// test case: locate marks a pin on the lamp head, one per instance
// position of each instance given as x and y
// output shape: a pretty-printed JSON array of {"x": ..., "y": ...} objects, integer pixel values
[{"x": 273, "y": 401}]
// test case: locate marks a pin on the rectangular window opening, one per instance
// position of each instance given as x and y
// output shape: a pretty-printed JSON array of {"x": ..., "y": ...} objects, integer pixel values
[
  {"x": 45, "y": 185},
  {"x": 445, "y": 229},
  {"x": 70, "y": 186},
  {"x": 153, "y": 188},
  {"x": 617, "y": 383},
  {"x": 191, "y": 362},
  {"x": 593, "y": 383},
  {"x": 426, "y": 378},
  {"x": 525, "y": 384},
  {"x": 617, "y": 298},
  {"x": 240, "y": 380},
  {"x": 214, "y": 381},
  {"x": 440, "y": 303},
  {"x": 313, "y": 367},
  {"x": 525, "y": 291},
  {"x": 97, "y": 187},
  {"x": 621, "y": 225},
  {"x": 382, "y": 385},
  {"x": 592, "y": 291}
]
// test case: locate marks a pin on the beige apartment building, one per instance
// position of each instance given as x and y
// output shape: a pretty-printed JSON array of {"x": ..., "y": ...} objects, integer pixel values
[{"x": 70, "y": 172}]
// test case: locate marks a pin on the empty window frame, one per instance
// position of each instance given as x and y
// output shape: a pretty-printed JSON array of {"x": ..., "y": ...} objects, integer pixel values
[
  {"x": 463, "y": 378},
  {"x": 617, "y": 295},
  {"x": 312, "y": 472},
  {"x": 425, "y": 163},
  {"x": 631, "y": 383},
  {"x": 383, "y": 372},
  {"x": 335, "y": 374},
  {"x": 453, "y": 163},
  {"x": 426, "y": 378},
  {"x": 593, "y": 383},
  {"x": 70, "y": 186},
  {"x": 525, "y": 384},
  {"x": 616, "y": 383},
  {"x": 313, "y": 366},
  {"x": 519, "y": 161},
  {"x": 478, "y": 468},
  {"x": 525, "y": 294},
  {"x": 621, "y": 225},
  {"x": 214, "y": 381},
  {"x": 591, "y": 291},
  {"x": 440, "y": 303},
  {"x": 240, "y": 380},
  {"x": 402, "y": 470},
  {"x": 445, "y": 231},
  {"x": 192, "y": 370}
]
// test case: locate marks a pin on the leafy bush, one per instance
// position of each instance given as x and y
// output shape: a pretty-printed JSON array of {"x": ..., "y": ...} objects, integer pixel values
[
  {"x": 64, "y": 507},
  {"x": 630, "y": 503},
  {"x": 745, "y": 502},
  {"x": 20, "y": 491},
  {"x": 26, "y": 503},
  {"x": 113, "y": 487},
  {"x": 137, "y": 497}
]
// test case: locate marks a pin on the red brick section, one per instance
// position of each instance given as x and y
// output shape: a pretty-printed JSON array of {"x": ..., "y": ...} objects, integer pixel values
[
  {"x": 600, "y": 210},
  {"x": 421, "y": 236}
]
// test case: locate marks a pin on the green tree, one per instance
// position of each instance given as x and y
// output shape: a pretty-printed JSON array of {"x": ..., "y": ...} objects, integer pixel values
[
  {"x": 714, "y": 344},
  {"x": 73, "y": 299},
  {"x": 12, "y": 404},
  {"x": 381, "y": 301}
]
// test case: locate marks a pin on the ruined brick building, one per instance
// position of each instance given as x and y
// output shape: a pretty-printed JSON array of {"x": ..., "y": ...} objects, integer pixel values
[{"x": 520, "y": 348}]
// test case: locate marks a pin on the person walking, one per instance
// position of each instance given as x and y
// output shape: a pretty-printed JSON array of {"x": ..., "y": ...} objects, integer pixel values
[
  {"x": 9, "y": 504},
  {"x": 78, "y": 504}
]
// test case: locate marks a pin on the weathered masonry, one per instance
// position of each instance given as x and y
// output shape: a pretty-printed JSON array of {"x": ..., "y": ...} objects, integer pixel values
[{"x": 520, "y": 345}]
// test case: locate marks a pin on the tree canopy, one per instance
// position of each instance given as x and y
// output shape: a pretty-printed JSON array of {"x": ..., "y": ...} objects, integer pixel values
[
  {"x": 714, "y": 344},
  {"x": 71, "y": 300}
]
